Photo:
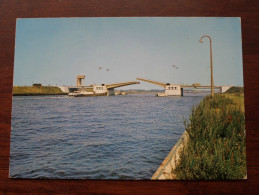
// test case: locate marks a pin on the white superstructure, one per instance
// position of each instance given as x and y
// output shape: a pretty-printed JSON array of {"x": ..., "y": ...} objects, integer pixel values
[
  {"x": 172, "y": 90},
  {"x": 98, "y": 90}
]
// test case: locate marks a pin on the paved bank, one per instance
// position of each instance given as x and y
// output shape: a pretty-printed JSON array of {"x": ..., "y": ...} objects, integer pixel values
[{"x": 164, "y": 171}]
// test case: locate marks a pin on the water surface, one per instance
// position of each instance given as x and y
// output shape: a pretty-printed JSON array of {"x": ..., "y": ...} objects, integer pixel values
[{"x": 116, "y": 137}]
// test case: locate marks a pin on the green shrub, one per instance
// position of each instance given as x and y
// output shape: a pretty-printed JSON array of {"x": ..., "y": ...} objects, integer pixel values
[{"x": 216, "y": 141}]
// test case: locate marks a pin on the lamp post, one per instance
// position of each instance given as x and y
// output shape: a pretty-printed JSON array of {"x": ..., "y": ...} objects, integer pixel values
[{"x": 211, "y": 65}]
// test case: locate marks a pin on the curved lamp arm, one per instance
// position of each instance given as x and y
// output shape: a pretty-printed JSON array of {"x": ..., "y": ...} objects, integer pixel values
[{"x": 211, "y": 65}]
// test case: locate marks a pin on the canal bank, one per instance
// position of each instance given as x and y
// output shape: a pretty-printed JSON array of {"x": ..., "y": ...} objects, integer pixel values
[
  {"x": 37, "y": 91},
  {"x": 164, "y": 171},
  {"x": 38, "y": 94},
  {"x": 213, "y": 146}
]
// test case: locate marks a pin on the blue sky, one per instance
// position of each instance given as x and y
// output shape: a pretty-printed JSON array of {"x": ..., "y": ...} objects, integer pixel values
[{"x": 55, "y": 50}]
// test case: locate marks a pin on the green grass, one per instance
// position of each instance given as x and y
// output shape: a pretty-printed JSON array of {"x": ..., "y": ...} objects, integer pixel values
[
  {"x": 235, "y": 90},
  {"x": 216, "y": 140},
  {"x": 18, "y": 90}
]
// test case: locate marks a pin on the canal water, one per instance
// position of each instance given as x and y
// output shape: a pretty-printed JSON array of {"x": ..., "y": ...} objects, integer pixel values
[{"x": 116, "y": 137}]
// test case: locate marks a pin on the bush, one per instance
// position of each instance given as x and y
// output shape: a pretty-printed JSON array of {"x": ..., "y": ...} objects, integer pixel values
[{"x": 216, "y": 141}]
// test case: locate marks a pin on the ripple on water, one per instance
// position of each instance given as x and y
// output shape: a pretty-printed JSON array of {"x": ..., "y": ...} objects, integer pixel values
[{"x": 118, "y": 137}]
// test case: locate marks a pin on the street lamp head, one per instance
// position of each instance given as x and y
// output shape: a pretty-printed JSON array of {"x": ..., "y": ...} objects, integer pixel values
[{"x": 205, "y": 36}]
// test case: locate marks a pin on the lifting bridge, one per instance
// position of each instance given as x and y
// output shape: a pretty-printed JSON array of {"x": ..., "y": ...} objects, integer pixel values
[
  {"x": 102, "y": 89},
  {"x": 109, "y": 88},
  {"x": 115, "y": 85},
  {"x": 177, "y": 89}
]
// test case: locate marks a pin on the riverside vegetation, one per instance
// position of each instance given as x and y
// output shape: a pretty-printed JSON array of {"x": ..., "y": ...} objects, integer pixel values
[
  {"x": 31, "y": 90},
  {"x": 216, "y": 147}
]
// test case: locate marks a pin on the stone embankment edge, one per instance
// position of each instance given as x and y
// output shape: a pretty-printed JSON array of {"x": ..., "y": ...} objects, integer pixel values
[{"x": 164, "y": 171}]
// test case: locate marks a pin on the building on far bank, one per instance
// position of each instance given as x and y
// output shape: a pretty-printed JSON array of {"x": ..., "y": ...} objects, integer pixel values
[{"x": 37, "y": 85}]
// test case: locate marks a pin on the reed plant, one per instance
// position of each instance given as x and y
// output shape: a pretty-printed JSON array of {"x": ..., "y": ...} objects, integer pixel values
[{"x": 216, "y": 147}]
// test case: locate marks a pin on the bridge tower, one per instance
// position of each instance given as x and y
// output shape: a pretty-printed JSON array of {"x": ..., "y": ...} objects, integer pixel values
[{"x": 80, "y": 80}]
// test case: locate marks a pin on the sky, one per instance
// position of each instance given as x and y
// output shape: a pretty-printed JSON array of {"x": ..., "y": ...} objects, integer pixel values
[{"x": 53, "y": 51}]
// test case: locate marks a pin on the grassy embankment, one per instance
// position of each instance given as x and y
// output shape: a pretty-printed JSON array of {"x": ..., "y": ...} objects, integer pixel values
[
  {"x": 28, "y": 90},
  {"x": 216, "y": 147}
]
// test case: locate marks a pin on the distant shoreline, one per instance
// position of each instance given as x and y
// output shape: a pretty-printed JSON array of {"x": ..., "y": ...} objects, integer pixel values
[
  {"x": 46, "y": 94},
  {"x": 37, "y": 91},
  {"x": 54, "y": 90},
  {"x": 38, "y": 94}
]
